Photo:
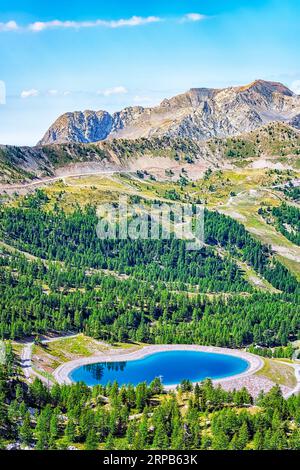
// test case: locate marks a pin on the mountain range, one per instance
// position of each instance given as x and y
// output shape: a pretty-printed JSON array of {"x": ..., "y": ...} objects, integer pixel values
[
  {"x": 200, "y": 129},
  {"x": 198, "y": 114}
]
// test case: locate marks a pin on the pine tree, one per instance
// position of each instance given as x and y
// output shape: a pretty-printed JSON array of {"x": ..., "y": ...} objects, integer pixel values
[
  {"x": 278, "y": 441},
  {"x": 70, "y": 431},
  {"x": 177, "y": 438},
  {"x": 141, "y": 396},
  {"x": 54, "y": 425},
  {"x": 196, "y": 436},
  {"x": 42, "y": 441},
  {"x": 141, "y": 436},
  {"x": 161, "y": 440},
  {"x": 243, "y": 436},
  {"x": 110, "y": 442},
  {"x": 25, "y": 431},
  {"x": 91, "y": 442},
  {"x": 131, "y": 432},
  {"x": 220, "y": 441},
  {"x": 258, "y": 441},
  {"x": 294, "y": 442},
  {"x": 143, "y": 432}
]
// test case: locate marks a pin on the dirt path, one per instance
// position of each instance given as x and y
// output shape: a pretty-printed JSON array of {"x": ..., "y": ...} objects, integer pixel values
[
  {"x": 10, "y": 189},
  {"x": 26, "y": 357}
]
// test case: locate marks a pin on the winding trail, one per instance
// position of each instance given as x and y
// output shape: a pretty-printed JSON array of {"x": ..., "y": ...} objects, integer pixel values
[
  {"x": 26, "y": 358},
  {"x": 44, "y": 181},
  {"x": 26, "y": 363}
]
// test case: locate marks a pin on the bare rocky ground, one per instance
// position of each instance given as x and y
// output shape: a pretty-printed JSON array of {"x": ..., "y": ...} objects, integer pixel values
[{"x": 254, "y": 384}]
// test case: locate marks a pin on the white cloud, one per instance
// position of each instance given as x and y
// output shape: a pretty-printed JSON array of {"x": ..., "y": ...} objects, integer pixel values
[
  {"x": 39, "y": 26},
  {"x": 29, "y": 93},
  {"x": 295, "y": 87},
  {"x": 117, "y": 90},
  {"x": 52, "y": 92},
  {"x": 133, "y": 21},
  {"x": 44, "y": 93},
  {"x": 9, "y": 26},
  {"x": 193, "y": 17}
]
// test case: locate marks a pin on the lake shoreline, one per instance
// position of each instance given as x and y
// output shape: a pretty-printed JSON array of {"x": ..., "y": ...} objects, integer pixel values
[{"x": 255, "y": 363}]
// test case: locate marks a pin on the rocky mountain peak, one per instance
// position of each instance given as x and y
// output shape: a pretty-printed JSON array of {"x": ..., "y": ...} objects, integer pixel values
[
  {"x": 199, "y": 113},
  {"x": 263, "y": 86}
]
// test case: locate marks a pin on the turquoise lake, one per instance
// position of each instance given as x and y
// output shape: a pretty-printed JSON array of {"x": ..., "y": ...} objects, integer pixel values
[{"x": 171, "y": 366}]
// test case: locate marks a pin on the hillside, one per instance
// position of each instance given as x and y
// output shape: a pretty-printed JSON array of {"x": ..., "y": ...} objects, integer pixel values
[
  {"x": 18, "y": 164},
  {"x": 200, "y": 113},
  {"x": 277, "y": 141}
]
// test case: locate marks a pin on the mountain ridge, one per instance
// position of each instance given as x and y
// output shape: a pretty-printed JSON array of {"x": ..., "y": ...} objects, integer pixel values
[
  {"x": 199, "y": 114},
  {"x": 274, "y": 140}
]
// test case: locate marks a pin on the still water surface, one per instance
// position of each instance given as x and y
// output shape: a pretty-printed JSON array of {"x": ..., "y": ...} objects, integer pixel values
[{"x": 171, "y": 366}]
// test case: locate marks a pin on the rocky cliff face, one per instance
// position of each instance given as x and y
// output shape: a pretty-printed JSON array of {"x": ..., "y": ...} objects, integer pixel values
[
  {"x": 295, "y": 122},
  {"x": 200, "y": 113},
  {"x": 83, "y": 127}
]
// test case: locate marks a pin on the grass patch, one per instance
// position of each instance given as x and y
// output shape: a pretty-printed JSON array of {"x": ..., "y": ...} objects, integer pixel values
[
  {"x": 79, "y": 346},
  {"x": 83, "y": 191},
  {"x": 17, "y": 349},
  {"x": 292, "y": 265},
  {"x": 44, "y": 374},
  {"x": 279, "y": 373},
  {"x": 48, "y": 356},
  {"x": 128, "y": 345}
]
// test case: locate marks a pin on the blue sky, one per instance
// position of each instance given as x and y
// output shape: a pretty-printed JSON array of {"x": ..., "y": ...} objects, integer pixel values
[{"x": 55, "y": 57}]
